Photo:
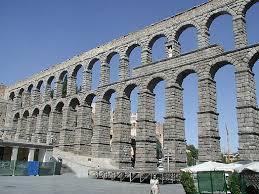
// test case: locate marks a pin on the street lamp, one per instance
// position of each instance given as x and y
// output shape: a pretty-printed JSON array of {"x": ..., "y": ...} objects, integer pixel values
[{"x": 167, "y": 156}]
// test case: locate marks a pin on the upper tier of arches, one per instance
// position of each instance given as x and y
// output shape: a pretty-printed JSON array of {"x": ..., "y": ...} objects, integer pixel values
[{"x": 52, "y": 86}]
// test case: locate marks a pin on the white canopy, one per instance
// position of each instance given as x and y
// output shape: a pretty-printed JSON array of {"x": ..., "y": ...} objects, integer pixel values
[
  {"x": 211, "y": 166},
  {"x": 253, "y": 166}
]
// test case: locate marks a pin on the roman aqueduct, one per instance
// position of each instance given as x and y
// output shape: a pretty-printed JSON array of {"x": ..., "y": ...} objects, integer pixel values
[{"x": 40, "y": 116}]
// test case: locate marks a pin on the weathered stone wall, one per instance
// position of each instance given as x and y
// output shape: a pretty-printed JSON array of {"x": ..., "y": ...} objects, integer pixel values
[
  {"x": 71, "y": 134},
  {"x": 3, "y": 107}
]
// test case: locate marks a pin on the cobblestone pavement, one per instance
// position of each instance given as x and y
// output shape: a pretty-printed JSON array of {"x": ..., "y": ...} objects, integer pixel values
[{"x": 74, "y": 185}]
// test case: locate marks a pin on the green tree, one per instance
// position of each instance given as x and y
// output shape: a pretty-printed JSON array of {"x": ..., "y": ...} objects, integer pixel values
[
  {"x": 192, "y": 155},
  {"x": 187, "y": 182},
  {"x": 234, "y": 183}
]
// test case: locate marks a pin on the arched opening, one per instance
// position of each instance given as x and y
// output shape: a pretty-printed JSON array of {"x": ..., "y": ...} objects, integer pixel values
[
  {"x": 188, "y": 81},
  {"x": 148, "y": 129},
  {"x": 30, "y": 88},
  {"x": 254, "y": 65},
  {"x": 85, "y": 129},
  {"x": 224, "y": 38},
  {"x": 32, "y": 128},
  {"x": 39, "y": 93},
  {"x": 131, "y": 92},
  {"x": 110, "y": 98},
  {"x": 63, "y": 81},
  {"x": 159, "y": 92},
  {"x": 21, "y": 97},
  {"x": 95, "y": 70},
  {"x": 90, "y": 101},
  {"x": 158, "y": 47},
  {"x": 49, "y": 90},
  {"x": 29, "y": 93},
  {"x": 251, "y": 13},
  {"x": 11, "y": 96},
  {"x": 15, "y": 122},
  {"x": 113, "y": 60},
  {"x": 134, "y": 56},
  {"x": 73, "y": 121},
  {"x": 24, "y": 125},
  {"x": 44, "y": 124},
  {"x": 187, "y": 38},
  {"x": 78, "y": 75},
  {"x": 224, "y": 75},
  {"x": 56, "y": 126}
]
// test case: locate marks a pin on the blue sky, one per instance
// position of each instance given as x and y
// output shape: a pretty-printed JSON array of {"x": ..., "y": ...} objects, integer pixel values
[{"x": 37, "y": 34}]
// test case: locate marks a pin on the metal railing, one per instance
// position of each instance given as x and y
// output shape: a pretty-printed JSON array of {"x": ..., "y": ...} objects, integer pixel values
[{"x": 133, "y": 176}]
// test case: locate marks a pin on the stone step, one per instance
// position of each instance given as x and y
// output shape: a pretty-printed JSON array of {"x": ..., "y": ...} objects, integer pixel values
[{"x": 79, "y": 164}]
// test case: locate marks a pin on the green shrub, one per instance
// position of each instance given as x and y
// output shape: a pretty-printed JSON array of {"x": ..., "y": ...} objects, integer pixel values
[
  {"x": 234, "y": 183},
  {"x": 188, "y": 182}
]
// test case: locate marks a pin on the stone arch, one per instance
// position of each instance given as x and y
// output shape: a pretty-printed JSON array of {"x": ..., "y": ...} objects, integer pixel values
[
  {"x": 252, "y": 57},
  {"x": 220, "y": 66},
  {"x": 53, "y": 135},
  {"x": 104, "y": 120},
  {"x": 132, "y": 60},
  {"x": 15, "y": 121},
  {"x": 89, "y": 99},
  {"x": 92, "y": 62},
  {"x": 59, "y": 105},
  {"x": 247, "y": 5},
  {"x": 49, "y": 90},
  {"x": 181, "y": 34},
  {"x": 74, "y": 102},
  {"x": 39, "y": 85},
  {"x": 220, "y": 62},
  {"x": 131, "y": 48},
  {"x": 155, "y": 38},
  {"x": 129, "y": 88},
  {"x": 11, "y": 96},
  {"x": 25, "y": 114},
  {"x": 216, "y": 19},
  {"x": 155, "y": 49},
  {"x": 94, "y": 73},
  {"x": 113, "y": 59},
  {"x": 20, "y": 98},
  {"x": 62, "y": 75},
  {"x": 111, "y": 55},
  {"x": 153, "y": 82},
  {"x": 108, "y": 93},
  {"x": 183, "y": 27},
  {"x": 76, "y": 69},
  {"x": 210, "y": 18},
  {"x": 183, "y": 74},
  {"x": 16, "y": 115},
  {"x": 50, "y": 79},
  {"x": 30, "y": 88},
  {"x": 30, "y": 133},
  {"x": 41, "y": 131},
  {"x": 36, "y": 111},
  {"x": 21, "y": 132},
  {"x": 20, "y": 93},
  {"x": 62, "y": 80},
  {"x": 47, "y": 109},
  {"x": 78, "y": 75}
]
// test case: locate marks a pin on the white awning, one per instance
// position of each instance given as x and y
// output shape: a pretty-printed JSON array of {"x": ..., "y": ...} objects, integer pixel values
[
  {"x": 253, "y": 166},
  {"x": 211, "y": 166}
]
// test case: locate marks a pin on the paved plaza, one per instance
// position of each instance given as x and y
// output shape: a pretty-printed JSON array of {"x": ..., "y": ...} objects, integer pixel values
[{"x": 72, "y": 184}]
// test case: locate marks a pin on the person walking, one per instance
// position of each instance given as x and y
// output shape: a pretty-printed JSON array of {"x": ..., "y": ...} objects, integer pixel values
[{"x": 154, "y": 182}]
